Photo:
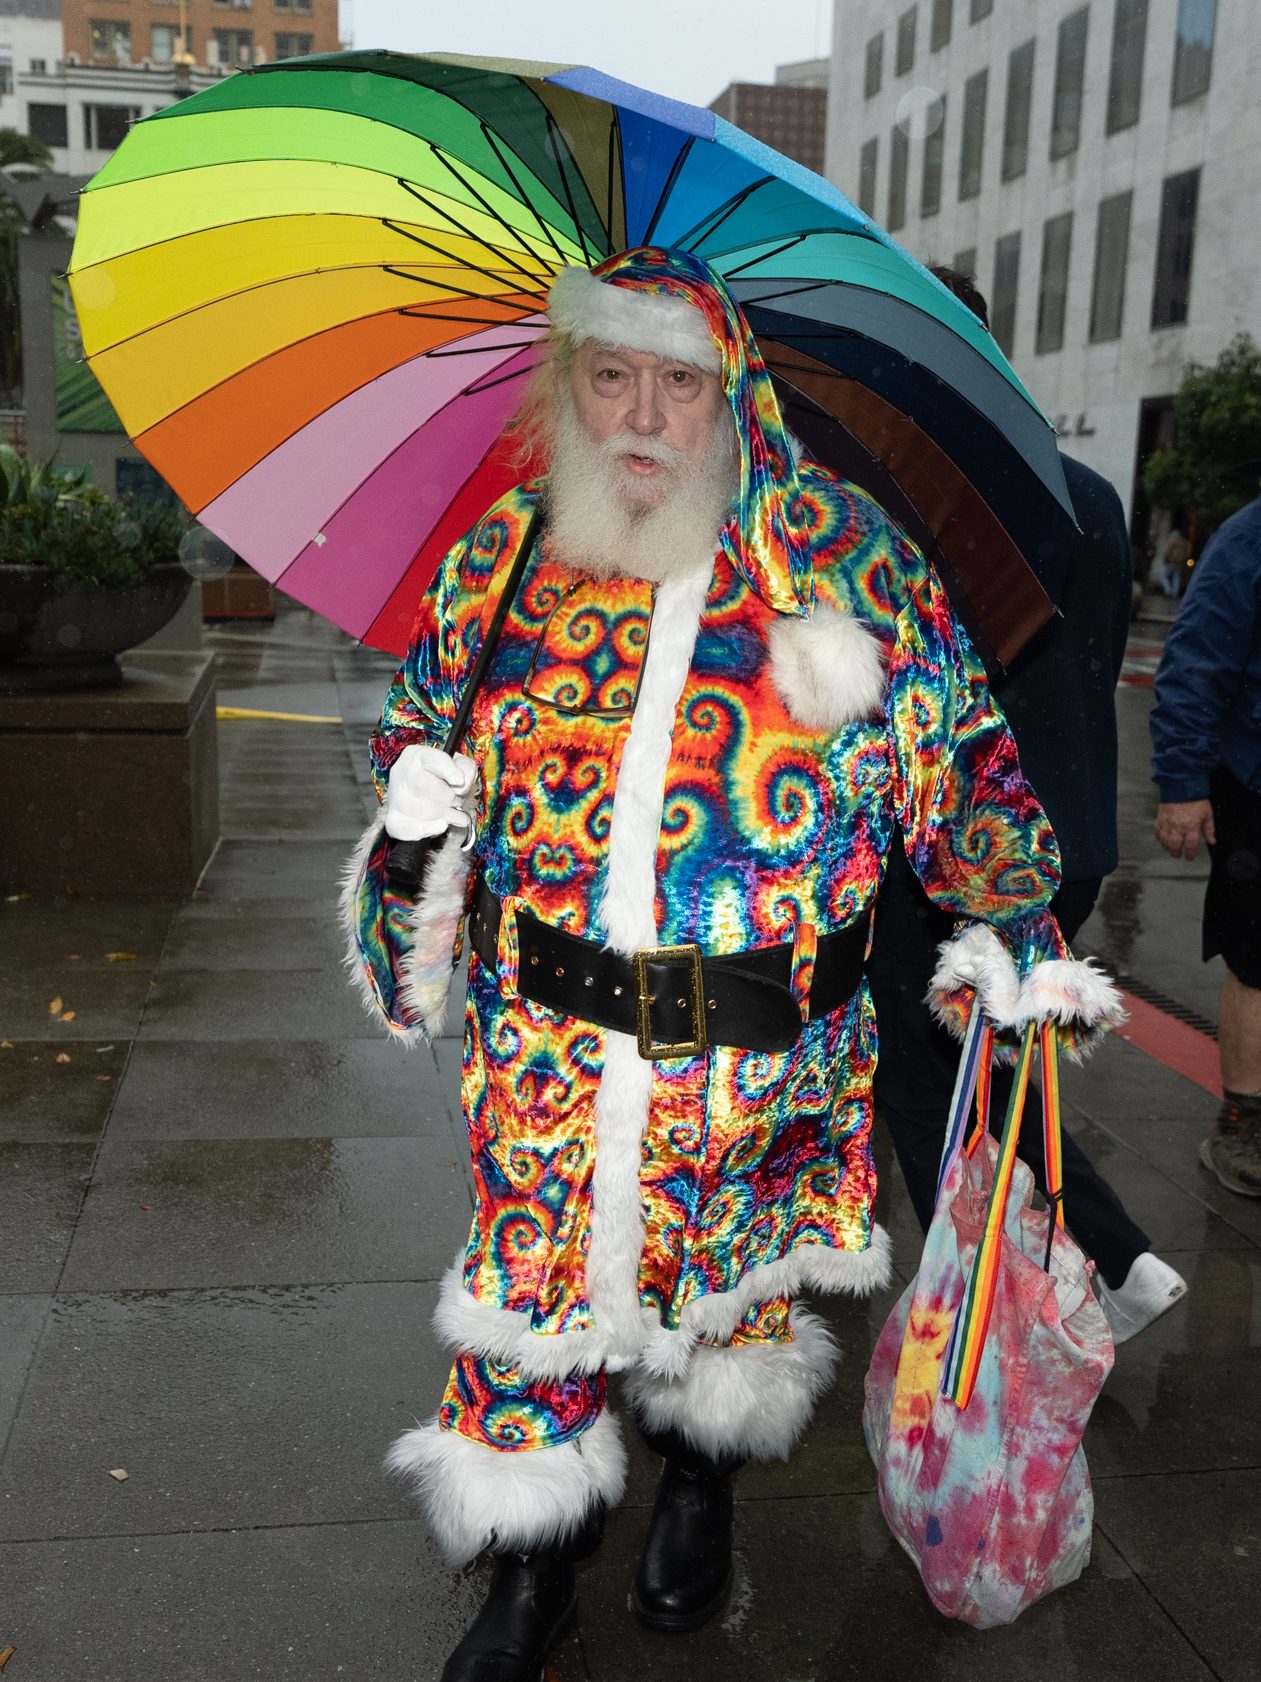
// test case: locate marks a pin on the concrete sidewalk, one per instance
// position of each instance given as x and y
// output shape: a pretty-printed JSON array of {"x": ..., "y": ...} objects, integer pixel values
[{"x": 227, "y": 1200}]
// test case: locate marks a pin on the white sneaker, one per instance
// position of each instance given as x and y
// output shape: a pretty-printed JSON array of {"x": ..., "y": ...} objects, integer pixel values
[{"x": 1151, "y": 1288}]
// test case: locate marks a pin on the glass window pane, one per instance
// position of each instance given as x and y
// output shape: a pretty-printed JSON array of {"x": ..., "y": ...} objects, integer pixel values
[
  {"x": 965, "y": 262},
  {"x": 1175, "y": 249},
  {"x": 980, "y": 9},
  {"x": 973, "y": 146},
  {"x": 939, "y": 30},
  {"x": 1112, "y": 249},
  {"x": 1057, "y": 237},
  {"x": 874, "y": 66},
  {"x": 934, "y": 156},
  {"x": 906, "y": 43},
  {"x": 867, "y": 160},
  {"x": 1016, "y": 116},
  {"x": 1125, "y": 78},
  {"x": 1070, "y": 70},
  {"x": 109, "y": 41},
  {"x": 48, "y": 123},
  {"x": 899, "y": 147},
  {"x": 1003, "y": 293},
  {"x": 1193, "y": 49}
]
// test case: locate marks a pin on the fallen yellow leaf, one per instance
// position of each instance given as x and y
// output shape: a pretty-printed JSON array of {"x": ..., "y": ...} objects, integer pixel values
[
  {"x": 6, "y": 1655},
  {"x": 66, "y": 1016},
  {"x": 119, "y": 957},
  {"x": 63, "y": 1056},
  {"x": 54, "y": 1008},
  {"x": 119, "y": 1475},
  {"x": 6, "y": 1045}
]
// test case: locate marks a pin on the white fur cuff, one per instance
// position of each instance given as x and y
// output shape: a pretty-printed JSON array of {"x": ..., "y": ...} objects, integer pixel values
[
  {"x": 750, "y": 1399},
  {"x": 520, "y": 1499},
  {"x": 582, "y": 307},
  {"x": 977, "y": 959}
]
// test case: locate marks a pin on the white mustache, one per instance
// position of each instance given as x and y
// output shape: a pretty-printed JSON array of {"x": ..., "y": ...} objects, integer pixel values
[{"x": 651, "y": 449}]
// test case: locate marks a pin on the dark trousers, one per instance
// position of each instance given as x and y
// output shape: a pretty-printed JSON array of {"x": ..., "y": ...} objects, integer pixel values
[{"x": 918, "y": 1060}]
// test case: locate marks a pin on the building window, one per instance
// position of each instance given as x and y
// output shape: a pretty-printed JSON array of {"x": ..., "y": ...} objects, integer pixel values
[
  {"x": 293, "y": 46},
  {"x": 234, "y": 46},
  {"x": 165, "y": 43},
  {"x": 6, "y": 76},
  {"x": 980, "y": 9},
  {"x": 1057, "y": 237},
  {"x": 236, "y": 5},
  {"x": 1016, "y": 116},
  {"x": 1125, "y": 78},
  {"x": 1175, "y": 248},
  {"x": 873, "y": 67},
  {"x": 39, "y": 67},
  {"x": 292, "y": 6},
  {"x": 972, "y": 149},
  {"x": 905, "y": 57},
  {"x": 899, "y": 147},
  {"x": 867, "y": 160},
  {"x": 934, "y": 156},
  {"x": 939, "y": 28},
  {"x": 1112, "y": 250},
  {"x": 48, "y": 124},
  {"x": 1003, "y": 292},
  {"x": 1070, "y": 70},
  {"x": 105, "y": 126},
  {"x": 965, "y": 262},
  {"x": 1193, "y": 49},
  {"x": 109, "y": 42}
]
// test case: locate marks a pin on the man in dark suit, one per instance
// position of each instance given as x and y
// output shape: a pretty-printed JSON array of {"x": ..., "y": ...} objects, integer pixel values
[{"x": 1059, "y": 701}]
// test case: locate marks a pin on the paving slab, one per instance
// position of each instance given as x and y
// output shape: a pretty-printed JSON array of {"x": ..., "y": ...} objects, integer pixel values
[
  {"x": 22, "y": 1320},
  {"x": 1195, "y": 1541},
  {"x": 281, "y": 1605},
  {"x": 824, "y": 1593},
  {"x": 272, "y": 865},
  {"x": 42, "y": 1188},
  {"x": 258, "y": 941},
  {"x": 228, "y": 1409},
  {"x": 102, "y": 1005},
  {"x": 42, "y": 1099},
  {"x": 236, "y": 1004},
  {"x": 238, "y": 1212},
  {"x": 279, "y": 1089}
]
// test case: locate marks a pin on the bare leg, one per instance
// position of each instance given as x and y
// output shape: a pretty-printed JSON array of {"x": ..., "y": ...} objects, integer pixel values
[{"x": 1239, "y": 1036}]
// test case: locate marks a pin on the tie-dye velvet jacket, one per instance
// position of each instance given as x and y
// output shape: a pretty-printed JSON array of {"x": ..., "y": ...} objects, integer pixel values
[{"x": 679, "y": 1194}]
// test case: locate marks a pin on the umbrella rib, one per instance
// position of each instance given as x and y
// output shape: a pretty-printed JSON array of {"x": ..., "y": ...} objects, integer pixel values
[
  {"x": 486, "y": 206},
  {"x": 499, "y": 279},
  {"x": 800, "y": 289},
  {"x": 525, "y": 199},
  {"x": 615, "y": 139},
  {"x": 675, "y": 169},
  {"x": 692, "y": 238},
  {"x": 552, "y": 132},
  {"x": 767, "y": 255},
  {"x": 489, "y": 385},
  {"x": 422, "y": 312},
  {"x": 442, "y": 252},
  {"x": 476, "y": 350}
]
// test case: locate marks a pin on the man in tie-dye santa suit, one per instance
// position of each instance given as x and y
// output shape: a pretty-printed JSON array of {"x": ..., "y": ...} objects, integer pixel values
[{"x": 726, "y": 682}]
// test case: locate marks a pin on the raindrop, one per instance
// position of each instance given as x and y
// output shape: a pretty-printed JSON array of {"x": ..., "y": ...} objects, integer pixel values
[
  {"x": 920, "y": 112},
  {"x": 69, "y": 636},
  {"x": 126, "y": 533},
  {"x": 203, "y": 555}
]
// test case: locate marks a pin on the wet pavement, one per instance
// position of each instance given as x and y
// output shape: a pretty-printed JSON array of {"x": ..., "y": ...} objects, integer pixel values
[{"x": 226, "y": 1203}]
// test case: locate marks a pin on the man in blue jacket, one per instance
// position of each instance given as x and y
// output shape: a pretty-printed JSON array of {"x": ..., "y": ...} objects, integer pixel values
[{"x": 1206, "y": 732}]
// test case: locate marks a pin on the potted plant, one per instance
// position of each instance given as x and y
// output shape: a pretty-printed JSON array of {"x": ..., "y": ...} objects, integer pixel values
[{"x": 82, "y": 576}]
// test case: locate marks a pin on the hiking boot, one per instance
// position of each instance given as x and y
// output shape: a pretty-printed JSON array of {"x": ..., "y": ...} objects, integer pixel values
[
  {"x": 1233, "y": 1153},
  {"x": 685, "y": 1572}
]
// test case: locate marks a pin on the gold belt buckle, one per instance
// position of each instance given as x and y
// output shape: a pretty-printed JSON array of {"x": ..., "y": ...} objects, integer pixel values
[{"x": 644, "y": 1001}]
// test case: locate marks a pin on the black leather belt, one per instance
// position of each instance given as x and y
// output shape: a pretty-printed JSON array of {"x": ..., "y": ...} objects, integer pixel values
[{"x": 675, "y": 1000}]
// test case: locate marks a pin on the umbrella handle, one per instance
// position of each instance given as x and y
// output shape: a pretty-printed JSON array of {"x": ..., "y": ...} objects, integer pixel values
[{"x": 407, "y": 861}]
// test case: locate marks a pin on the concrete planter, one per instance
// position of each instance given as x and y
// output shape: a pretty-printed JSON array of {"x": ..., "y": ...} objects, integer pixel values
[{"x": 55, "y": 635}]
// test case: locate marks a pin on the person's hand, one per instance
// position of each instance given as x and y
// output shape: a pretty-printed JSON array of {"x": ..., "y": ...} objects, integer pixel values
[
  {"x": 1181, "y": 823},
  {"x": 429, "y": 792}
]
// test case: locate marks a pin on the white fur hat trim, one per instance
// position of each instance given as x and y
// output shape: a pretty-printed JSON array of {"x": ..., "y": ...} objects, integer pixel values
[{"x": 583, "y": 307}]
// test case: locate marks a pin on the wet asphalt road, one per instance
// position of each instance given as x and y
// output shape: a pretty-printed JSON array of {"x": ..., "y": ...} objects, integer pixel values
[{"x": 223, "y": 1222}]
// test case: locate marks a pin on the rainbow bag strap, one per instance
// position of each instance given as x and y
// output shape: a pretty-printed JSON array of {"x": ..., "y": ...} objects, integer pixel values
[{"x": 971, "y": 1326}]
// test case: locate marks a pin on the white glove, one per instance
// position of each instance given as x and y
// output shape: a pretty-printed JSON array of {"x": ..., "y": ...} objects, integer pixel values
[{"x": 429, "y": 792}]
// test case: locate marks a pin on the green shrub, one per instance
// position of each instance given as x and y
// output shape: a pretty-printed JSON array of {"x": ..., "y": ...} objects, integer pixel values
[{"x": 51, "y": 517}]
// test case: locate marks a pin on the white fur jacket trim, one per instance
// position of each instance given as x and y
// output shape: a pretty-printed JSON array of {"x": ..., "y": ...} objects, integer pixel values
[
  {"x": 1072, "y": 992},
  {"x": 473, "y": 1494},
  {"x": 582, "y": 307},
  {"x": 427, "y": 964}
]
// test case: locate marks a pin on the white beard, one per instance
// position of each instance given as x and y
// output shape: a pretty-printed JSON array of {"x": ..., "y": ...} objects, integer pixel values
[{"x": 603, "y": 521}]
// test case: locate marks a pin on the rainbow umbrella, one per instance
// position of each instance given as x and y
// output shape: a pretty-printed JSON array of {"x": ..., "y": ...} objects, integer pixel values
[{"x": 312, "y": 293}]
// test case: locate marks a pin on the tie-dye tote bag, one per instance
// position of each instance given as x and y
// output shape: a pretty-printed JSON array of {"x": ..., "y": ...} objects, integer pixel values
[{"x": 985, "y": 1373}]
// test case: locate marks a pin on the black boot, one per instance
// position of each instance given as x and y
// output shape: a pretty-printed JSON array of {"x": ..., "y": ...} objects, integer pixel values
[
  {"x": 530, "y": 1607},
  {"x": 684, "y": 1576}
]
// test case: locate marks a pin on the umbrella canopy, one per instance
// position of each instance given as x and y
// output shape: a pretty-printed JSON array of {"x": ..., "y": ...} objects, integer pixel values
[{"x": 313, "y": 291}]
